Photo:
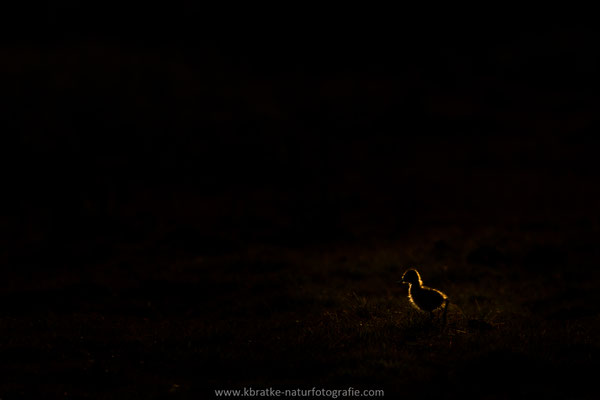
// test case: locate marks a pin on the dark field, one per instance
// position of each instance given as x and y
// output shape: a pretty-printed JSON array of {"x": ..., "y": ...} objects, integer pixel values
[{"x": 184, "y": 216}]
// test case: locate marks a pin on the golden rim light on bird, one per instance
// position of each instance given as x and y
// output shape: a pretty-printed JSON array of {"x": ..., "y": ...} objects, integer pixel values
[{"x": 424, "y": 298}]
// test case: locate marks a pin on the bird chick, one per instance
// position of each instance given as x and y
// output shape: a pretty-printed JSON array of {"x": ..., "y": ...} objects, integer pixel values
[{"x": 424, "y": 298}]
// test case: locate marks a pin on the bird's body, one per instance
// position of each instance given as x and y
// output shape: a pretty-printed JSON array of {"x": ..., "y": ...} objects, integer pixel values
[{"x": 423, "y": 298}]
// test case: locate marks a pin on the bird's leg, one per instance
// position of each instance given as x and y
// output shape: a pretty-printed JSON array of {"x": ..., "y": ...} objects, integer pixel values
[{"x": 445, "y": 310}]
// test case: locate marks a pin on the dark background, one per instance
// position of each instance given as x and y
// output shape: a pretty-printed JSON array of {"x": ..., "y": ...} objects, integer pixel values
[{"x": 190, "y": 206}]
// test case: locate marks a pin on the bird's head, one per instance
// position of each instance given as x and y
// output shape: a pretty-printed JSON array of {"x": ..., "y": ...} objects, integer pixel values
[{"x": 411, "y": 276}]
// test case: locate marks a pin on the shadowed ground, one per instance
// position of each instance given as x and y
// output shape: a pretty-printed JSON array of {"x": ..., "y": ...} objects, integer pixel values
[{"x": 183, "y": 312}]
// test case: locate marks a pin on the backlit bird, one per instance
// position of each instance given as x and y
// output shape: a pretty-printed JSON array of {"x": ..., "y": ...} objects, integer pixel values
[{"x": 424, "y": 298}]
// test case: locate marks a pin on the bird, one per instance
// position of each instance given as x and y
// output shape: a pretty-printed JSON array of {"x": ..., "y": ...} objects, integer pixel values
[{"x": 424, "y": 298}]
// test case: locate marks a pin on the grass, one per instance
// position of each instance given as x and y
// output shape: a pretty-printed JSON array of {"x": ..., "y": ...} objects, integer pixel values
[{"x": 147, "y": 324}]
